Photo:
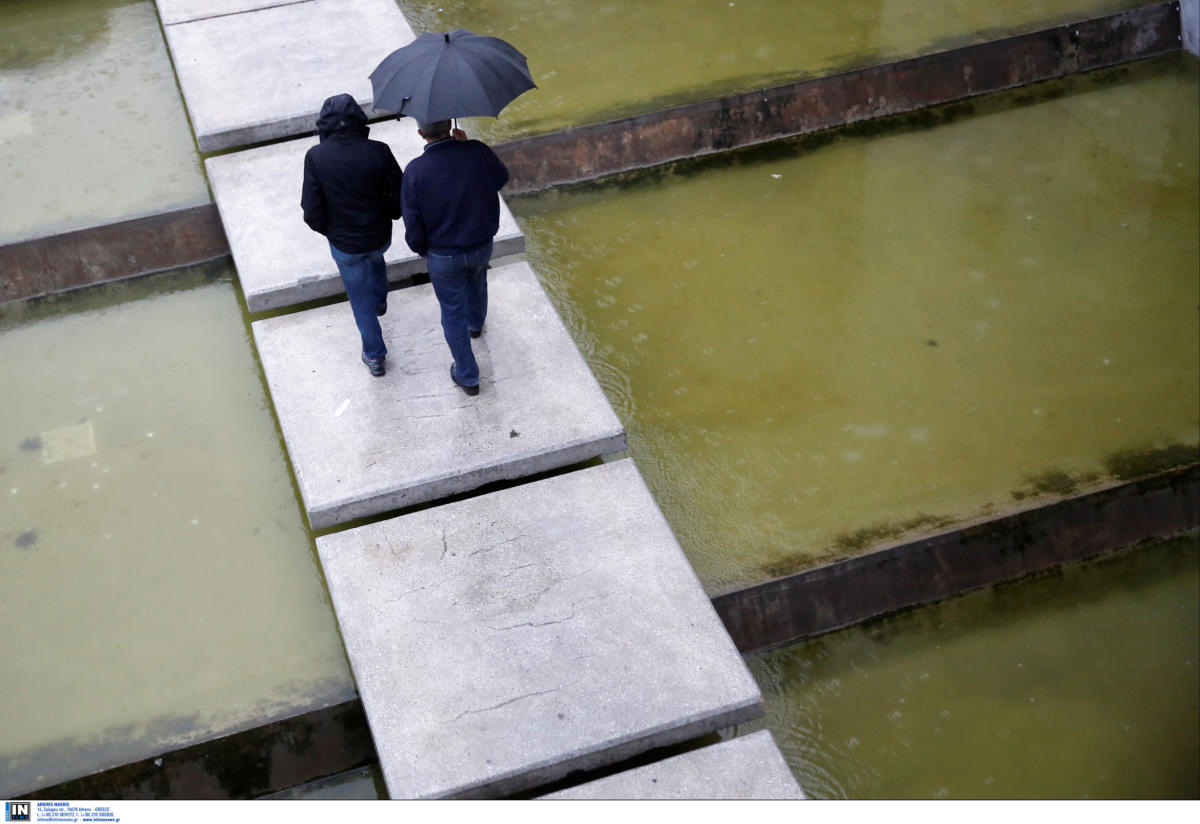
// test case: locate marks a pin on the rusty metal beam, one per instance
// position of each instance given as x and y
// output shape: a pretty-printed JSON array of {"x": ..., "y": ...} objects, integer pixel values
[
  {"x": 247, "y": 764},
  {"x": 588, "y": 152},
  {"x": 130, "y": 248},
  {"x": 936, "y": 567}
]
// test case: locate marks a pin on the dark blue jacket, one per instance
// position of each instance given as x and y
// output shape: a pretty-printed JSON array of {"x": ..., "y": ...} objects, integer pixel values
[
  {"x": 351, "y": 184},
  {"x": 449, "y": 196}
]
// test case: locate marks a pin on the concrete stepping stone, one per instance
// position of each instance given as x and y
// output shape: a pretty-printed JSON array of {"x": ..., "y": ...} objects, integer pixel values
[
  {"x": 503, "y": 641},
  {"x": 183, "y": 11},
  {"x": 361, "y": 445},
  {"x": 263, "y": 73},
  {"x": 748, "y": 768},
  {"x": 280, "y": 261}
]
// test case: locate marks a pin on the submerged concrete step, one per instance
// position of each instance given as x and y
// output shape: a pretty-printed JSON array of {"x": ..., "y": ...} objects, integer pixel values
[
  {"x": 361, "y": 445},
  {"x": 748, "y": 768},
  {"x": 262, "y": 73},
  {"x": 503, "y": 641},
  {"x": 280, "y": 261}
]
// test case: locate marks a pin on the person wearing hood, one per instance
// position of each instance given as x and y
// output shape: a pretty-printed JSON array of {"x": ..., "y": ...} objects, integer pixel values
[{"x": 351, "y": 196}]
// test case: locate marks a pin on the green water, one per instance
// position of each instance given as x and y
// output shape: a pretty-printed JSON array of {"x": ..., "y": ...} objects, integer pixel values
[
  {"x": 92, "y": 128},
  {"x": 817, "y": 349},
  {"x": 597, "y": 61},
  {"x": 160, "y": 587},
  {"x": 1080, "y": 684}
]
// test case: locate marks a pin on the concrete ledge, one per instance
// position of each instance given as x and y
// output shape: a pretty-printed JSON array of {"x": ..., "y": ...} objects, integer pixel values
[
  {"x": 501, "y": 642},
  {"x": 85, "y": 257},
  {"x": 1189, "y": 18},
  {"x": 747, "y": 768},
  {"x": 930, "y": 569},
  {"x": 263, "y": 74},
  {"x": 361, "y": 445},
  {"x": 280, "y": 261},
  {"x": 809, "y": 106}
]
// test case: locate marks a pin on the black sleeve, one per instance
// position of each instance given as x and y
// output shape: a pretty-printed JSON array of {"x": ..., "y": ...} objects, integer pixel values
[
  {"x": 393, "y": 186},
  {"x": 312, "y": 201}
]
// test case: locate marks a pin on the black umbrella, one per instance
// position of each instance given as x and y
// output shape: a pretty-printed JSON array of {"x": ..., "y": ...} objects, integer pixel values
[{"x": 439, "y": 76}]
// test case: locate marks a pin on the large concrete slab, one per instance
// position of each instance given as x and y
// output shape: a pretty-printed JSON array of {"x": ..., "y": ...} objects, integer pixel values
[
  {"x": 280, "y": 261},
  {"x": 504, "y": 641},
  {"x": 361, "y": 445},
  {"x": 749, "y": 768},
  {"x": 263, "y": 74},
  {"x": 182, "y": 11}
]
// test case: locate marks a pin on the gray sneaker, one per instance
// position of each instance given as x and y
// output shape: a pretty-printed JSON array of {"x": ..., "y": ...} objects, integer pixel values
[{"x": 374, "y": 364}]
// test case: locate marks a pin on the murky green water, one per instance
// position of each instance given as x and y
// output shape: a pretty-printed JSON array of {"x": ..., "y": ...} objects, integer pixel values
[
  {"x": 1081, "y": 684},
  {"x": 601, "y": 60},
  {"x": 815, "y": 349},
  {"x": 159, "y": 584},
  {"x": 92, "y": 128}
]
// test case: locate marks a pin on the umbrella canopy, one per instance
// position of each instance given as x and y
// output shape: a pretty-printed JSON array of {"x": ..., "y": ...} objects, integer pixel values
[{"x": 457, "y": 74}]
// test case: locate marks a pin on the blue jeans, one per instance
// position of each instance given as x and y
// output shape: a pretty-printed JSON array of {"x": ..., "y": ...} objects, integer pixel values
[
  {"x": 460, "y": 283},
  {"x": 364, "y": 274}
]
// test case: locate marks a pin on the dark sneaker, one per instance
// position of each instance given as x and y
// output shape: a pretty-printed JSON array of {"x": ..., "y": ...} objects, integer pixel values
[
  {"x": 475, "y": 332},
  {"x": 381, "y": 309},
  {"x": 374, "y": 364},
  {"x": 470, "y": 390}
]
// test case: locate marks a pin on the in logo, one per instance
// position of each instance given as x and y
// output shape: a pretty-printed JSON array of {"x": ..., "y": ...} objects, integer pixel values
[{"x": 17, "y": 811}]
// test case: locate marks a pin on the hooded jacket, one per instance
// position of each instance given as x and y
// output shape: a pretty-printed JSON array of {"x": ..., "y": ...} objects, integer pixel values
[{"x": 351, "y": 184}]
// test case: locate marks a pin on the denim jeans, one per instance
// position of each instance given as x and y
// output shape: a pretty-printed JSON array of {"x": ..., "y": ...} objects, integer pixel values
[
  {"x": 460, "y": 283},
  {"x": 364, "y": 275}
]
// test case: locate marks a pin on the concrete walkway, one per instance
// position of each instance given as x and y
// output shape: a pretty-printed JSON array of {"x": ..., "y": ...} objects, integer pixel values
[
  {"x": 362, "y": 445},
  {"x": 499, "y": 642},
  {"x": 746, "y": 768},
  {"x": 252, "y": 72}
]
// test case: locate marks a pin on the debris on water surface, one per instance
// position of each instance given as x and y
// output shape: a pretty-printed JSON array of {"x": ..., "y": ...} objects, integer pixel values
[
  {"x": 931, "y": 342},
  {"x": 26, "y": 539},
  {"x": 32, "y": 444}
]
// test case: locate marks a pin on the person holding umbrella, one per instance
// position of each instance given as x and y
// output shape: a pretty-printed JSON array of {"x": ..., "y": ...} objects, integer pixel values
[
  {"x": 351, "y": 195},
  {"x": 451, "y": 210},
  {"x": 450, "y": 194}
]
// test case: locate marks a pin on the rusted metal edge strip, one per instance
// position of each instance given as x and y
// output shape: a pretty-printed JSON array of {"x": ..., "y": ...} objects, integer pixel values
[
  {"x": 588, "y": 152},
  {"x": 85, "y": 257},
  {"x": 933, "y": 568},
  {"x": 247, "y": 764}
]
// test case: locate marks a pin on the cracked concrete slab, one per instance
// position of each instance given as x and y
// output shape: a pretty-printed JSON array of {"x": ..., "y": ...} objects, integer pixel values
[
  {"x": 749, "y": 768},
  {"x": 361, "y": 445},
  {"x": 504, "y": 641},
  {"x": 183, "y": 11},
  {"x": 263, "y": 73},
  {"x": 280, "y": 261}
]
